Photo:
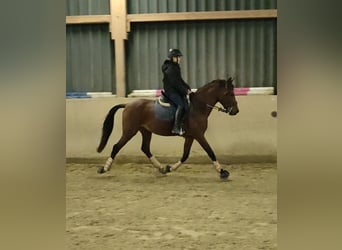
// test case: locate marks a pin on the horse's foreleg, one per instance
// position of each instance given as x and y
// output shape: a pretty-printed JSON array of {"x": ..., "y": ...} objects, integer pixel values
[
  {"x": 186, "y": 151},
  {"x": 145, "y": 147},
  {"x": 205, "y": 145}
]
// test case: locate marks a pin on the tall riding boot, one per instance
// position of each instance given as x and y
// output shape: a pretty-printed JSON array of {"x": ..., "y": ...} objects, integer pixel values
[{"x": 177, "y": 129}]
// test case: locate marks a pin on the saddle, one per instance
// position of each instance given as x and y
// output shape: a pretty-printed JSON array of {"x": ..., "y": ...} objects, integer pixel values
[
  {"x": 164, "y": 108},
  {"x": 163, "y": 101}
]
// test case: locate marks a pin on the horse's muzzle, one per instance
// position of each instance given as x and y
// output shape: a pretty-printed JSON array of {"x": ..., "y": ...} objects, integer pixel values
[{"x": 233, "y": 110}]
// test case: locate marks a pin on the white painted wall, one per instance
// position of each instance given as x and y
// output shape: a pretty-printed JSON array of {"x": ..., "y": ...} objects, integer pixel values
[{"x": 250, "y": 134}]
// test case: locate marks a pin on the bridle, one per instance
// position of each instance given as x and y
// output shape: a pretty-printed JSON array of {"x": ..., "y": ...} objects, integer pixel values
[{"x": 225, "y": 110}]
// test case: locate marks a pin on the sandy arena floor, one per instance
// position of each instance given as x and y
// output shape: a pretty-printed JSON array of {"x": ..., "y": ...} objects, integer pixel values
[{"x": 131, "y": 208}]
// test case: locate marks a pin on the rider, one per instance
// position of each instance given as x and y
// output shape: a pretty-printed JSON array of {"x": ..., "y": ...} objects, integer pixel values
[{"x": 175, "y": 88}]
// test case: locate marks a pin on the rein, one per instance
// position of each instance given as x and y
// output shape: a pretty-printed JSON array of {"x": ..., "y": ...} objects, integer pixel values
[
  {"x": 220, "y": 109},
  {"x": 217, "y": 108}
]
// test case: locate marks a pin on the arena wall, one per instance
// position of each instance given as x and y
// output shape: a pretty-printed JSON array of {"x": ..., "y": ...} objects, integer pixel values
[{"x": 250, "y": 136}]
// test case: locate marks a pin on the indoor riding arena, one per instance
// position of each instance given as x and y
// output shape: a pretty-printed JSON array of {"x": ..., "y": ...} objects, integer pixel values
[{"x": 115, "y": 50}]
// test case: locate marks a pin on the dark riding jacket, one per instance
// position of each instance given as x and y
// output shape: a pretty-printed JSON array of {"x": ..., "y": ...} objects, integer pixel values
[{"x": 173, "y": 82}]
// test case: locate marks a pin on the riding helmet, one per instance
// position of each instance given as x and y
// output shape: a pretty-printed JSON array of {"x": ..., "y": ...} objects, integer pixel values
[{"x": 174, "y": 52}]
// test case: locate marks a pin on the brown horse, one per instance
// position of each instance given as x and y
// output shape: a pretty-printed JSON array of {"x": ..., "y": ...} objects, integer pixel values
[{"x": 144, "y": 116}]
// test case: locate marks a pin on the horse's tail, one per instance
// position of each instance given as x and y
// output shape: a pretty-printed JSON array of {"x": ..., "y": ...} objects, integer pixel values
[{"x": 108, "y": 125}]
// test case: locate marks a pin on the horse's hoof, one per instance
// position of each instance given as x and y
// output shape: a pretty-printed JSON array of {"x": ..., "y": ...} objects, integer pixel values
[
  {"x": 101, "y": 170},
  {"x": 168, "y": 168},
  {"x": 224, "y": 174},
  {"x": 165, "y": 170}
]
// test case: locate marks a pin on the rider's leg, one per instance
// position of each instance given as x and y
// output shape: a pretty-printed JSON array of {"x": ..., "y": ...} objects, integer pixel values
[{"x": 177, "y": 129}]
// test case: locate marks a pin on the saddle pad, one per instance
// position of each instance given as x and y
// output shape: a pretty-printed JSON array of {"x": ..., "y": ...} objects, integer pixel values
[{"x": 162, "y": 112}]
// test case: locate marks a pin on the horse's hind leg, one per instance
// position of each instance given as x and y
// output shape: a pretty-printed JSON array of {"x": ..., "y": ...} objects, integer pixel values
[
  {"x": 186, "y": 151},
  {"x": 146, "y": 140},
  {"x": 126, "y": 136},
  {"x": 145, "y": 147}
]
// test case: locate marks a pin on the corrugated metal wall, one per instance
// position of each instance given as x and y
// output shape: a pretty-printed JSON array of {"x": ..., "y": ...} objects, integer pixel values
[
  {"x": 90, "y": 59},
  {"x": 244, "y": 49},
  {"x": 87, "y": 7},
  {"x": 156, "y": 6}
]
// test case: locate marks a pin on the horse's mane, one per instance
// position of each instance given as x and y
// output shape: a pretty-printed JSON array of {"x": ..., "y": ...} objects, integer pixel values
[{"x": 211, "y": 84}]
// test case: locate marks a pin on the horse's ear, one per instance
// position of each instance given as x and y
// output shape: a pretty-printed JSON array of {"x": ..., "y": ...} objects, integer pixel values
[{"x": 230, "y": 79}]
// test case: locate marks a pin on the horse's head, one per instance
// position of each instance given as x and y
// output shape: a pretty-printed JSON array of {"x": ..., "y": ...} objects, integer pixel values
[{"x": 226, "y": 96}]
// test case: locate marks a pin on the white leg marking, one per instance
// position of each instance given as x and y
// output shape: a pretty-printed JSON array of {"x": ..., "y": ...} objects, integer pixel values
[
  {"x": 217, "y": 166},
  {"x": 155, "y": 162},
  {"x": 176, "y": 165},
  {"x": 108, "y": 164}
]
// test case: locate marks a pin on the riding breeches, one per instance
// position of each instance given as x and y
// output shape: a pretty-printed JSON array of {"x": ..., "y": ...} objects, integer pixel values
[{"x": 179, "y": 100}]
